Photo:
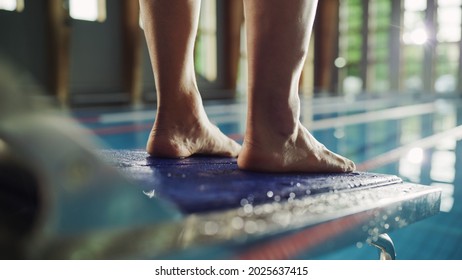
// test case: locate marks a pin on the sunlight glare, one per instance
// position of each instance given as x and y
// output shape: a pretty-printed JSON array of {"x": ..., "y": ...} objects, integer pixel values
[
  {"x": 419, "y": 36},
  {"x": 415, "y": 155}
]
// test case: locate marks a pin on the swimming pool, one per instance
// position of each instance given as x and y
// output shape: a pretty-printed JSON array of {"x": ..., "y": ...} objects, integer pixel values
[{"x": 412, "y": 136}]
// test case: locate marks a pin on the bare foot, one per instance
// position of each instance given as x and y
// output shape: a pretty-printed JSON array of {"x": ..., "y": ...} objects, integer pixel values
[
  {"x": 188, "y": 137},
  {"x": 299, "y": 152}
]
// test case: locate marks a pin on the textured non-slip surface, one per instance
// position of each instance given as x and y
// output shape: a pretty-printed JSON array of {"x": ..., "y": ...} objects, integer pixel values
[{"x": 200, "y": 184}]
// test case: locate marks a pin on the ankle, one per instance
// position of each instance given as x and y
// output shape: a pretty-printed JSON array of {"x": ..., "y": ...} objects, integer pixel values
[
  {"x": 277, "y": 112},
  {"x": 180, "y": 107},
  {"x": 272, "y": 126}
]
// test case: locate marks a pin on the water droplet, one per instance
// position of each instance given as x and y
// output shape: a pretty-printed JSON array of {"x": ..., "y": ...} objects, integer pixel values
[
  {"x": 359, "y": 245},
  {"x": 248, "y": 208},
  {"x": 277, "y": 198},
  {"x": 211, "y": 228},
  {"x": 373, "y": 232},
  {"x": 258, "y": 210},
  {"x": 261, "y": 225},
  {"x": 244, "y": 202},
  {"x": 268, "y": 208},
  {"x": 282, "y": 218},
  {"x": 298, "y": 185},
  {"x": 150, "y": 193},
  {"x": 250, "y": 227},
  {"x": 237, "y": 223},
  {"x": 386, "y": 226},
  {"x": 269, "y": 194}
]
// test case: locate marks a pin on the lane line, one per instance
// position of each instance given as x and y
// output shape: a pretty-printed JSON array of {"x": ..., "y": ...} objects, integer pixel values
[
  {"x": 379, "y": 115},
  {"x": 368, "y": 117},
  {"x": 396, "y": 154}
]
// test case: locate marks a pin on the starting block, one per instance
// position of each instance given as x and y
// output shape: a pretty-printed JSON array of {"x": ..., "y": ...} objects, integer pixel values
[
  {"x": 227, "y": 213},
  {"x": 251, "y": 215}
]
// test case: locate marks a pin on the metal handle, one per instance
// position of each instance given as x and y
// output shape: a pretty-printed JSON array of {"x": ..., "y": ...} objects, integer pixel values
[{"x": 386, "y": 247}]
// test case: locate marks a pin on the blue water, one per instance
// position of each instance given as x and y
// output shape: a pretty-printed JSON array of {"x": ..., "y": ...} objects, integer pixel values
[{"x": 413, "y": 137}]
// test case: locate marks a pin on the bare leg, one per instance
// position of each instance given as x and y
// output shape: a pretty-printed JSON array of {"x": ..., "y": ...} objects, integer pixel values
[
  {"x": 181, "y": 127},
  {"x": 278, "y": 33}
]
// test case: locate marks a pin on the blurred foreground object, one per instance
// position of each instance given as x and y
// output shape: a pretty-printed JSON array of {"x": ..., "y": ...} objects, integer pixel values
[{"x": 52, "y": 182}]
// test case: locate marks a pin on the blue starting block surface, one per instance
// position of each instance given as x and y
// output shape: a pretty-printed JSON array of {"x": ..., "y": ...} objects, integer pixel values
[{"x": 204, "y": 184}]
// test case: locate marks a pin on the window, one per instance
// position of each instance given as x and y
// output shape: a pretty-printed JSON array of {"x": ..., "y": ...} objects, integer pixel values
[
  {"x": 378, "y": 45},
  {"x": 414, "y": 39},
  {"x": 12, "y": 5},
  {"x": 350, "y": 45},
  {"x": 415, "y": 32},
  {"x": 206, "y": 41},
  {"x": 448, "y": 36},
  {"x": 89, "y": 10}
]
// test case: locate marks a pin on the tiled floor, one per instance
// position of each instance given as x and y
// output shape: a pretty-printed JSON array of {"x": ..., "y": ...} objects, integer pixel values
[{"x": 416, "y": 138}]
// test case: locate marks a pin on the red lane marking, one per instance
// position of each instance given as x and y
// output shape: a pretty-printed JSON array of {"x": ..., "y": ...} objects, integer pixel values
[
  {"x": 141, "y": 127},
  {"x": 293, "y": 245},
  {"x": 121, "y": 129},
  {"x": 87, "y": 119}
]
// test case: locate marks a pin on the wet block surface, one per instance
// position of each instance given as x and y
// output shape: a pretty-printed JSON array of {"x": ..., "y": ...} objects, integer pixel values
[{"x": 204, "y": 184}]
